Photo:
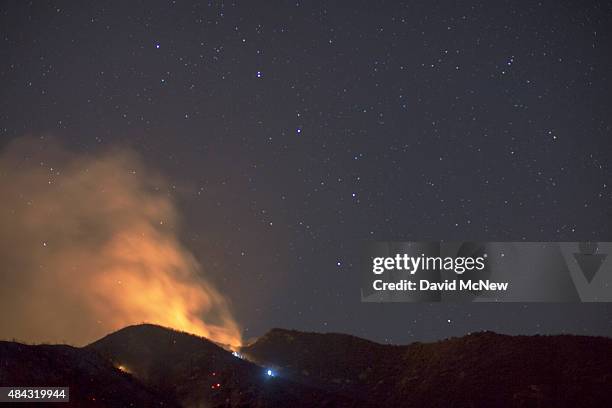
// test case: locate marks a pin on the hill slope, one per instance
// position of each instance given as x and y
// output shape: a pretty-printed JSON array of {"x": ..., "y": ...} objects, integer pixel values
[
  {"x": 196, "y": 371},
  {"x": 323, "y": 370},
  {"x": 483, "y": 369},
  {"x": 93, "y": 381}
]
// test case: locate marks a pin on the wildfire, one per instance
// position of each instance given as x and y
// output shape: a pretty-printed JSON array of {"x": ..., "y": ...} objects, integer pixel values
[
  {"x": 97, "y": 249},
  {"x": 158, "y": 285}
]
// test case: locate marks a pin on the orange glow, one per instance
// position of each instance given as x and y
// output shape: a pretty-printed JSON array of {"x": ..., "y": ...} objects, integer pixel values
[
  {"x": 152, "y": 283},
  {"x": 123, "y": 368},
  {"x": 94, "y": 247}
]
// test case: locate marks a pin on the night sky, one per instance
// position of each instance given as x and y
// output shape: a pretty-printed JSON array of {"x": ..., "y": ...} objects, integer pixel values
[{"x": 292, "y": 133}]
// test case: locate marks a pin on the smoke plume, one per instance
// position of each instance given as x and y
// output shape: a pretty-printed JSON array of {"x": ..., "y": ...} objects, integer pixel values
[{"x": 88, "y": 244}]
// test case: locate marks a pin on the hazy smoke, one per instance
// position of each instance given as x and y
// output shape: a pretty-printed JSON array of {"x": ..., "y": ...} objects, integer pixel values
[{"x": 88, "y": 245}]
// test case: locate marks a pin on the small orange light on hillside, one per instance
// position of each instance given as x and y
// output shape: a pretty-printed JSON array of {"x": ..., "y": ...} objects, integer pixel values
[{"x": 123, "y": 368}]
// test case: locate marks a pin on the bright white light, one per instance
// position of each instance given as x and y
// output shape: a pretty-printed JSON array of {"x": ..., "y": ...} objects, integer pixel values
[
  {"x": 236, "y": 354},
  {"x": 270, "y": 373}
]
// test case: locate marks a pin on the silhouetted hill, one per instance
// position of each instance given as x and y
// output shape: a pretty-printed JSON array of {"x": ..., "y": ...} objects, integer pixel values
[
  {"x": 332, "y": 361},
  {"x": 478, "y": 370},
  {"x": 322, "y": 370},
  {"x": 189, "y": 368},
  {"x": 93, "y": 381}
]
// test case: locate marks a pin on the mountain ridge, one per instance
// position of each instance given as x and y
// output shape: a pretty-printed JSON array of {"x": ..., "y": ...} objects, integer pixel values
[{"x": 151, "y": 365}]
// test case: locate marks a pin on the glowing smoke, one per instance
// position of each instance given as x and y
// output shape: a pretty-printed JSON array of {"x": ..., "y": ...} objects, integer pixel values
[{"x": 88, "y": 245}]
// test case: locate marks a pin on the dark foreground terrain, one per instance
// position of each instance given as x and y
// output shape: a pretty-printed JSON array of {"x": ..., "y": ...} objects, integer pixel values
[{"x": 151, "y": 366}]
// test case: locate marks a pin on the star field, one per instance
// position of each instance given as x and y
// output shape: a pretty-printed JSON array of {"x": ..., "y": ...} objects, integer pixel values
[{"x": 295, "y": 132}]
